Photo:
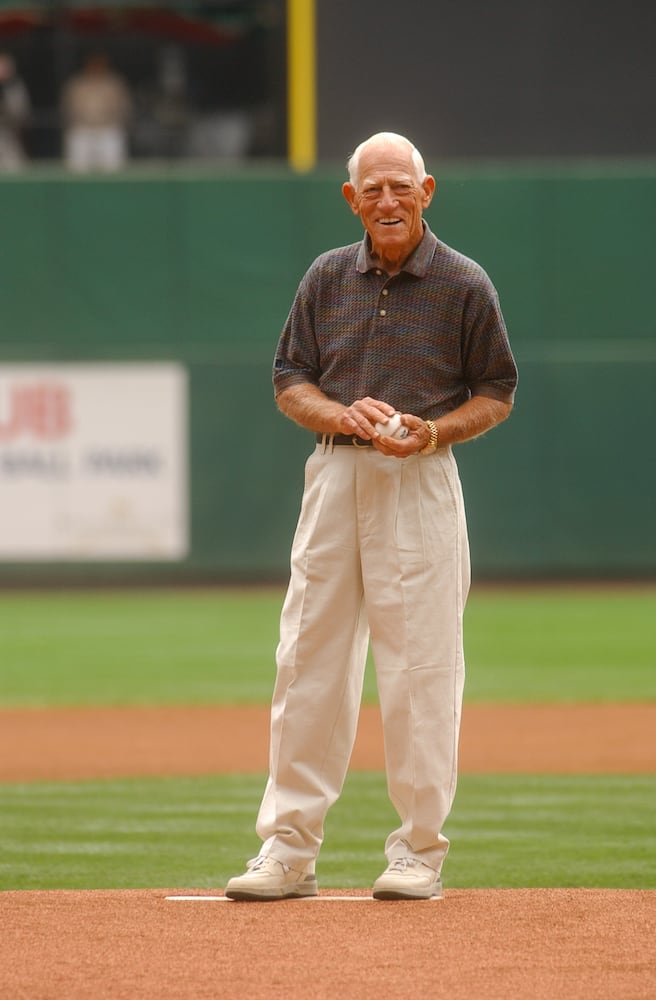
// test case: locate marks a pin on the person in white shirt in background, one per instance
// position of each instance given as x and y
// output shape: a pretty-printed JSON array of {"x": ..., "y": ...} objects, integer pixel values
[
  {"x": 97, "y": 109},
  {"x": 15, "y": 109}
]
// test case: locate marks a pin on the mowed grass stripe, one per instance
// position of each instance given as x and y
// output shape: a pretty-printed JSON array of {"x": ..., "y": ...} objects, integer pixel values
[
  {"x": 217, "y": 646},
  {"x": 194, "y": 833}
]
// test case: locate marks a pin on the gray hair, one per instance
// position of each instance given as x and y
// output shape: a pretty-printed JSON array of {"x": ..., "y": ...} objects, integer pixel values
[{"x": 391, "y": 139}]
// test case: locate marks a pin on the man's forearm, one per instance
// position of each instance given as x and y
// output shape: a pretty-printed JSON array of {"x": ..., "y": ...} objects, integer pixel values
[
  {"x": 308, "y": 406},
  {"x": 478, "y": 415}
]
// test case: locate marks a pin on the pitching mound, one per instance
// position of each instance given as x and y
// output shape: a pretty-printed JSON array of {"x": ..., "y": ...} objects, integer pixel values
[{"x": 537, "y": 944}]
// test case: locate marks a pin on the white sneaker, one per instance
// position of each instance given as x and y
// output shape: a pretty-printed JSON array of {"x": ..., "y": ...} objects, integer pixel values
[
  {"x": 267, "y": 878},
  {"x": 408, "y": 878}
]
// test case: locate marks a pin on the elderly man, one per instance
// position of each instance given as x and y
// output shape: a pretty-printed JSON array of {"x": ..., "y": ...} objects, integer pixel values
[{"x": 397, "y": 324}]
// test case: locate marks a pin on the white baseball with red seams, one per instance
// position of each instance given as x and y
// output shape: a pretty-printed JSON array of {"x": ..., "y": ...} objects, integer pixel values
[{"x": 393, "y": 428}]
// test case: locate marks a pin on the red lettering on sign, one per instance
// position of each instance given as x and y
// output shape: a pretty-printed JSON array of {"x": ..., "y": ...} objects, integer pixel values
[{"x": 41, "y": 410}]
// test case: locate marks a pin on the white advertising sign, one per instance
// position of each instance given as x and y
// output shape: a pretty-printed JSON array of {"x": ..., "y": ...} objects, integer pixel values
[{"x": 93, "y": 461}]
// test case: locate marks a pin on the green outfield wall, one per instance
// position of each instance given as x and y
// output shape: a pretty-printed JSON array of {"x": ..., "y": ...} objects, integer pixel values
[{"x": 201, "y": 268}]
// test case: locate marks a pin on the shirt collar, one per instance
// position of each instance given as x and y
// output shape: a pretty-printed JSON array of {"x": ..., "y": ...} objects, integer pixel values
[{"x": 417, "y": 263}]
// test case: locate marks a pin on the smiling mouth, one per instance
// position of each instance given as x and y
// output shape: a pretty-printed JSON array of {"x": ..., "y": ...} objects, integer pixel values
[{"x": 389, "y": 222}]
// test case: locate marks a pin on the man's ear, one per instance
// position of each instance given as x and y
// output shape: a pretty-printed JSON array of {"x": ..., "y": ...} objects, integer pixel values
[
  {"x": 428, "y": 186},
  {"x": 350, "y": 194}
]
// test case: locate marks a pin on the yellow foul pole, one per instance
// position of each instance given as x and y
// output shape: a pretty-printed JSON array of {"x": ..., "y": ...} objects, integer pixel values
[{"x": 301, "y": 84}]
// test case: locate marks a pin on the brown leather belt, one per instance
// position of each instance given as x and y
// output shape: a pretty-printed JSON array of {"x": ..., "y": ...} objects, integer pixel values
[{"x": 341, "y": 439}]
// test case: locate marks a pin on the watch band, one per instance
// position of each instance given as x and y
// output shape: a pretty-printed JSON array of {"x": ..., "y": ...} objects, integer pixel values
[{"x": 434, "y": 435}]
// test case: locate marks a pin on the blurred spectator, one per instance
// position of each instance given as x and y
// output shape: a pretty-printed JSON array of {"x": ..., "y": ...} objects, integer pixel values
[
  {"x": 163, "y": 109},
  {"x": 15, "y": 110},
  {"x": 96, "y": 105},
  {"x": 224, "y": 135}
]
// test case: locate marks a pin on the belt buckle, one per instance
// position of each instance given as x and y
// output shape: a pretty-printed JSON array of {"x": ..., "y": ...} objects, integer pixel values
[{"x": 354, "y": 441}]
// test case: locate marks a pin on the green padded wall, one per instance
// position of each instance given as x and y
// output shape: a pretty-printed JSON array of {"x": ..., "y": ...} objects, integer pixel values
[{"x": 202, "y": 268}]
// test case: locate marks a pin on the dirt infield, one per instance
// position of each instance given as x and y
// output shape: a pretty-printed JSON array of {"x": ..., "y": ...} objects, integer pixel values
[
  {"x": 75, "y": 744},
  {"x": 472, "y": 945},
  {"x": 537, "y": 944}
]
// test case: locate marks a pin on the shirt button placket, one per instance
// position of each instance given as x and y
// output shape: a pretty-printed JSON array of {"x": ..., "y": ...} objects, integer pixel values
[{"x": 385, "y": 292}]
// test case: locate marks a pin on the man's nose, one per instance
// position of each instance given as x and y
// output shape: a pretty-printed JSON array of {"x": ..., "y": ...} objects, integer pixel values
[{"x": 387, "y": 196}]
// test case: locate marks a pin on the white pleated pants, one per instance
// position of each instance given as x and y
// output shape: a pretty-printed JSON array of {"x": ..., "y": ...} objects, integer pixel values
[{"x": 380, "y": 550}]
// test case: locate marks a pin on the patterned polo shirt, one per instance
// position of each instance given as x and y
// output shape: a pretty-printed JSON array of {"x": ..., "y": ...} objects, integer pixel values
[{"x": 424, "y": 340}]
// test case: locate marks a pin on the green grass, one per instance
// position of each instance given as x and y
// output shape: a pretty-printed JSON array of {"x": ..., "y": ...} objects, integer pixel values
[
  {"x": 217, "y": 646},
  {"x": 506, "y": 832},
  {"x": 159, "y": 646},
  {"x": 137, "y": 647},
  {"x": 561, "y": 644}
]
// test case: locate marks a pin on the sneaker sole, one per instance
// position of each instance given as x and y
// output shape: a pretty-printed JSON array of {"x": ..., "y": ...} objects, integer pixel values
[
  {"x": 398, "y": 894},
  {"x": 253, "y": 896}
]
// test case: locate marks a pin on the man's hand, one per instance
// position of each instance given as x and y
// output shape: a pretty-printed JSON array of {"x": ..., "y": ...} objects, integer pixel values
[
  {"x": 468, "y": 421},
  {"x": 417, "y": 438},
  {"x": 362, "y": 416},
  {"x": 308, "y": 406}
]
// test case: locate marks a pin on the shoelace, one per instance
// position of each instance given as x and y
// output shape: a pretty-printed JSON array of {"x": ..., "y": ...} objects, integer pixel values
[
  {"x": 256, "y": 863},
  {"x": 402, "y": 864}
]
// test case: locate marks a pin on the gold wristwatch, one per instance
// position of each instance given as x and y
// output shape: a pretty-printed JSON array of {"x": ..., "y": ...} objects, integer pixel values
[{"x": 432, "y": 444}]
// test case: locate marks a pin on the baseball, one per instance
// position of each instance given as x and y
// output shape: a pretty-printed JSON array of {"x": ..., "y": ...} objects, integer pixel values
[{"x": 393, "y": 428}]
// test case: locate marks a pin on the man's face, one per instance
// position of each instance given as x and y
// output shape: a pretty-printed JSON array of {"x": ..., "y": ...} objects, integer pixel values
[{"x": 390, "y": 200}]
